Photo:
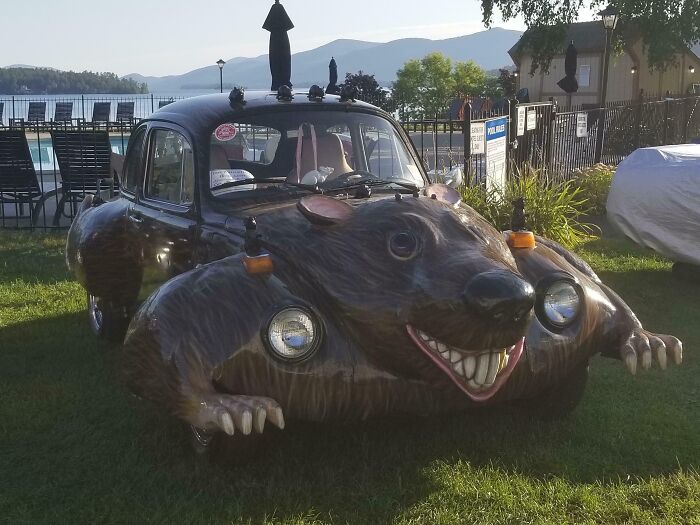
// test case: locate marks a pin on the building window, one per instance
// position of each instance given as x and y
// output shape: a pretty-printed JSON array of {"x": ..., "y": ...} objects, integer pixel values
[{"x": 584, "y": 76}]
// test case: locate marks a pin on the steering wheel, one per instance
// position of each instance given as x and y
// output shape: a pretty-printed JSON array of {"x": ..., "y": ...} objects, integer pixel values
[{"x": 344, "y": 178}]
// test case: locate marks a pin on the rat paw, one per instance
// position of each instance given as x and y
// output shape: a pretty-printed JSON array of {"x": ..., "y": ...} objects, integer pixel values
[
  {"x": 643, "y": 348},
  {"x": 229, "y": 413}
]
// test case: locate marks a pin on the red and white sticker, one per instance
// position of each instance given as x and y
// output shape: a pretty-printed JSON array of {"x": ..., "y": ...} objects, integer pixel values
[{"x": 225, "y": 132}]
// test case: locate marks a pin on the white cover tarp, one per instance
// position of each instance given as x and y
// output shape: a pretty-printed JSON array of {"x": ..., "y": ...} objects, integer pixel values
[{"x": 655, "y": 200}]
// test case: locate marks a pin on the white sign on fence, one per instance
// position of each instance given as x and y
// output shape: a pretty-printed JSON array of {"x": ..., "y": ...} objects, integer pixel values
[
  {"x": 521, "y": 122},
  {"x": 581, "y": 125},
  {"x": 496, "y": 137},
  {"x": 531, "y": 119},
  {"x": 478, "y": 138}
]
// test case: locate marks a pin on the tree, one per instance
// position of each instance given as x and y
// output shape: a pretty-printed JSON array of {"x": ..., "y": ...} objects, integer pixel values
[
  {"x": 508, "y": 82},
  {"x": 405, "y": 90},
  {"x": 665, "y": 26},
  {"x": 427, "y": 87},
  {"x": 368, "y": 89},
  {"x": 52, "y": 82},
  {"x": 470, "y": 78}
]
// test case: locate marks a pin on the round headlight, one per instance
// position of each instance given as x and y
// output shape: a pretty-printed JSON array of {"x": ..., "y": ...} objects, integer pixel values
[
  {"x": 561, "y": 303},
  {"x": 294, "y": 334}
]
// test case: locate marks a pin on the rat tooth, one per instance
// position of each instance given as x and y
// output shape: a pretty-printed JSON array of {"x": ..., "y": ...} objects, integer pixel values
[
  {"x": 505, "y": 360},
  {"x": 493, "y": 369},
  {"x": 469, "y": 366},
  {"x": 473, "y": 384},
  {"x": 482, "y": 368},
  {"x": 454, "y": 356},
  {"x": 442, "y": 348},
  {"x": 432, "y": 344},
  {"x": 424, "y": 336},
  {"x": 459, "y": 367}
]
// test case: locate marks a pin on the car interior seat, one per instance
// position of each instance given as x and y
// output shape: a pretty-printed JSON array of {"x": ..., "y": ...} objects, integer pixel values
[
  {"x": 218, "y": 159},
  {"x": 330, "y": 154}
]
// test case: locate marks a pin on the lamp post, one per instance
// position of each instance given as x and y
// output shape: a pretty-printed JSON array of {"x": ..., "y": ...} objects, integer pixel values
[
  {"x": 610, "y": 17},
  {"x": 221, "y": 63}
]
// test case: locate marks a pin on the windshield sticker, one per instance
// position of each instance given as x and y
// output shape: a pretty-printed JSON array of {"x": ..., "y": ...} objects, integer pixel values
[
  {"x": 218, "y": 178},
  {"x": 225, "y": 132}
]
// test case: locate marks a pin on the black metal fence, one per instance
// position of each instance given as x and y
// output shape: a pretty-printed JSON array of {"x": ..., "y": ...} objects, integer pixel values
[
  {"x": 35, "y": 191},
  {"x": 82, "y": 107}
]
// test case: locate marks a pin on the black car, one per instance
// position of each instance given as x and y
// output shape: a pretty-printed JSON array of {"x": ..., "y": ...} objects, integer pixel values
[{"x": 285, "y": 255}]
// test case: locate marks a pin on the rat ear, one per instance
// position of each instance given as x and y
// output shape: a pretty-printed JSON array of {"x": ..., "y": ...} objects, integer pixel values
[
  {"x": 325, "y": 211},
  {"x": 444, "y": 193}
]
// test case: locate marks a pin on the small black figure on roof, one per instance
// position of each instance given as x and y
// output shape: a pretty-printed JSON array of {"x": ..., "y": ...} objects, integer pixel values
[
  {"x": 333, "y": 88},
  {"x": 278, "y": 23}
]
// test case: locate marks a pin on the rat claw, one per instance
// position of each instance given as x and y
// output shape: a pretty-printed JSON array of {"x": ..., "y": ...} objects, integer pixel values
[
  {"x": 276, "y": 417},
  {"x": 658, "y": 348},
  {"x": 677, "y": 352},
  {"x": 244, "y": 421},
  {"x": 226, "y": 423},
  {"x": 631, "y": 362},
  {"x": 259, "y": 420}
]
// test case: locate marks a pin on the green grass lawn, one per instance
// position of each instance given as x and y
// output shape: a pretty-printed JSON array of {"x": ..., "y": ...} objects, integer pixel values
[{"x": 76, "y": 448}]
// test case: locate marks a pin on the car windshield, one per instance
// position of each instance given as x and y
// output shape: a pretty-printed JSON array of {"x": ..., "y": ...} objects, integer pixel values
[{"x": 314, "y": 149}]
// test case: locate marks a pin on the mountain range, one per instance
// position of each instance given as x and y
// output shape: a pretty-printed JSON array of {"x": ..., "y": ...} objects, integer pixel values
[{"x": 487, "y": 48}]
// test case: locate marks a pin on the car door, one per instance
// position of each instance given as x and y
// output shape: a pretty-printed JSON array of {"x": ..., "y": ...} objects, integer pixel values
[{"x": 165, "y": 215}]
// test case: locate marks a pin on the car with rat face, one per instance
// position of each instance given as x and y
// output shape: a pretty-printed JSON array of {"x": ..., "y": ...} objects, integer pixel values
[{"x": 284, "y": 255}]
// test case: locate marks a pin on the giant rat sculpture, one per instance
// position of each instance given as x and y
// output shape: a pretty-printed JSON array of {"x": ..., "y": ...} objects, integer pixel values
[{"x": 424, "y": 307}]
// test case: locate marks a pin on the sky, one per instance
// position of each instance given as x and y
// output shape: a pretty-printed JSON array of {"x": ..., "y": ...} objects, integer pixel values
[{"x": 167, "y": 37}]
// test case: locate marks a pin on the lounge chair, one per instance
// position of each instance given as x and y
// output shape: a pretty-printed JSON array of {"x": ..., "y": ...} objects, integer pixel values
[
  {"x": 36, "y": 116},
  {"x": 125, "y": 114},
  {"x": 100, "y": 113},
  {"x": 19, "y": 184},
  {"x": 63, "y": 113},
  {"x": 163, "y": 103},
  {"x": 84, "y": 160}
]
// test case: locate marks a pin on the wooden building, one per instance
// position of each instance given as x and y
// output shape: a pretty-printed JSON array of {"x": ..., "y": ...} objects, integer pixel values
[{"x": 629, "y": 72}]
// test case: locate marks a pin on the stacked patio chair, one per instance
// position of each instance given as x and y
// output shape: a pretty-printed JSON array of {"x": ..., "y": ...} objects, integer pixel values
[
  {"x": 84, "y": 160},
  {"x": 2, "y": 109},
  {"x": 163, "y": 103},
  {"x": 100, "y": 113},
  {"x": 63, "y": 115},
  {"x": 18, "y": 180},
  {"x": 125, "y": 114}
]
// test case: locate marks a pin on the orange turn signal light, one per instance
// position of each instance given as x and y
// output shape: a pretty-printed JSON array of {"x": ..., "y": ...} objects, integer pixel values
[
  {"x": 260, "y": 265},
  {"x": 521, "y": 240}
]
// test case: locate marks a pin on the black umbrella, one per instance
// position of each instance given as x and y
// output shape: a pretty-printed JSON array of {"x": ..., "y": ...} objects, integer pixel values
[
  {"x": 569, "y": 82},
  {"x": 333, "y": 88},
  {"x": 278, "y": 23}
]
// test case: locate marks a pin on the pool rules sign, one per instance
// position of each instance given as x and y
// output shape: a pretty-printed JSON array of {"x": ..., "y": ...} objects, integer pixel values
[
  {"x": 581, "y": 125},
  {"x": 496, "y": 138}
]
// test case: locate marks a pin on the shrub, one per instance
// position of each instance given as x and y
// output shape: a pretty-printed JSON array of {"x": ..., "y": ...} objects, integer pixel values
[
  {"x": 553, "y": 209},
  {"x": 594, "y": 183}
]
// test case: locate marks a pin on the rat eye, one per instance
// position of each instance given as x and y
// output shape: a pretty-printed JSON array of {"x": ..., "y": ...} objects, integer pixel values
[{"x": 403, "y": 245}]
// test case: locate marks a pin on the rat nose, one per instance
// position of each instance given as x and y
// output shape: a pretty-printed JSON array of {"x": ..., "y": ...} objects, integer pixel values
[{"x": 500, "y": 295}]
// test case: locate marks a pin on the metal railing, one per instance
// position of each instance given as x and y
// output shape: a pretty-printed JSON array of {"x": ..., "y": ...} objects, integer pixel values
[{"x": 16, "y": 108}]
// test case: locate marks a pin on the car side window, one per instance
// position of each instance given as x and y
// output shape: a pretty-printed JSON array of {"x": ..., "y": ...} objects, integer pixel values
[
  {"x": 133, "y": 168},
  {"x": 171, "y": 168}
]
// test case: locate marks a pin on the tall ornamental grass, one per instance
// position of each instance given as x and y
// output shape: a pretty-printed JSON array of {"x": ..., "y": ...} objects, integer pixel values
[{"x": 553, "y": 210}]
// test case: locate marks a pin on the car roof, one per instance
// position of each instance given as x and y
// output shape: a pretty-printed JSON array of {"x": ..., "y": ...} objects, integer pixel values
[{"x": 200, "y": 114}]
